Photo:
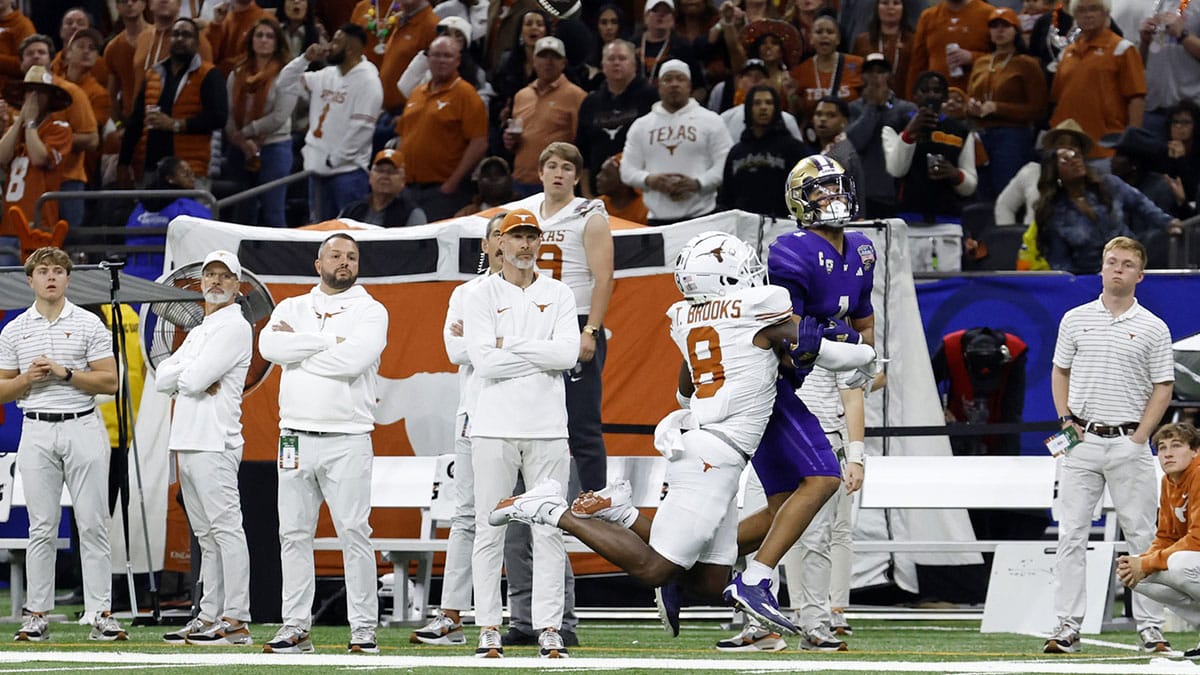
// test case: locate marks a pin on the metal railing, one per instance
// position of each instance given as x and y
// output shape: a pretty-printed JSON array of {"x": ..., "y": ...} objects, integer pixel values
[
  {"x": 257, "y": 190},
  {"x": 123, "y": 195}
]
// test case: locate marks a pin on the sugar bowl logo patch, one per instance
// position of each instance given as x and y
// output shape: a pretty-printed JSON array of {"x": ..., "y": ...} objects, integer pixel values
[{"x": 866, "y": 253}]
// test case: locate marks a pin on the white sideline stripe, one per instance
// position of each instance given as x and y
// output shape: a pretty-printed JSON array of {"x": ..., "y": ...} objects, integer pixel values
[
  {"x": 79, "y": 669},
  {"x": 1157, "y": 666}
]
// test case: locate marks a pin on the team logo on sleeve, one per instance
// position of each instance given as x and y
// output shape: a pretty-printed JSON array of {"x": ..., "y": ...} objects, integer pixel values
[{"x": 866, "y": 253}]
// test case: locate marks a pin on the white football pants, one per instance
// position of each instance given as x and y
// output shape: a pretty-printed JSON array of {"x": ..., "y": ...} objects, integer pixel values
[
  {"x": 77, "y": 452},
  {"x": 457, "y": 584},
  {"x": 336, "y": 470},
  {"x": 1128, "y": 469},
  {"x": 209, "y": 482},
  {"x": 496, "y": 463}
]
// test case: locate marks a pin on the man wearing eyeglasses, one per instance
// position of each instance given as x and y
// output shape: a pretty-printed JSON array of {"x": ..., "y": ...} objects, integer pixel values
[
  {"x": 180, "y": 105},
  {"x": 205, "y": 376}
]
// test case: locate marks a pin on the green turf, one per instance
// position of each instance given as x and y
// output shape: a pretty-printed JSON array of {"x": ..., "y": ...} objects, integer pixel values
[{"x": 873, "y": 640}]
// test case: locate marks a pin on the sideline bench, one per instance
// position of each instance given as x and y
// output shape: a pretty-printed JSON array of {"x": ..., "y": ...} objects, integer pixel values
[{"x": 426, "y": 484}]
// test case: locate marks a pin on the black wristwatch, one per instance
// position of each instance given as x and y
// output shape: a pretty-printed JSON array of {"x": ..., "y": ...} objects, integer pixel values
[
  {"x": 69, "y": 375},
  {"x": 1066, "y": 418}
]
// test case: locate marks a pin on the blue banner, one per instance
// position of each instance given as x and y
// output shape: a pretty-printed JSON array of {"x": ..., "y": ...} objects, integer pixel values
[{"x": 1031, "y": 306}]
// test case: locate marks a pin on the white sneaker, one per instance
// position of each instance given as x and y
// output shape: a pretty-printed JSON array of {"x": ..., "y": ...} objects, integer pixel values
[
  {"x": 839, "y": 624},
  {"x": 753, "y": 638},
  {"x": 180, "y": 636},
  {"x": 1065, "y": 640},
  {"x": 821, "y": 639},
  {"x": 1153, "y": 640},
  {"x": 362, "y": 641},
  {"x": 614, "y": 503},
  {"x": 221, "y": 634},
  {"x": 490, "y": 646},
  {"x": 550, "y": 645},
  {"x": 106, "y": 629},
  {"x": 439, "y": 631},
  {"x": 34, "y": 628},
  {"x": 541, "y": 505},
  {"x": 289, "y": 639}
]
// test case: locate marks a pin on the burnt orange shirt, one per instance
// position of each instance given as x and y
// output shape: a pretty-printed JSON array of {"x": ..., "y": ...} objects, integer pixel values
[
  {"x": 83, "y": 121},
  {"x": 1015, "y": 84},
  {"x": 359, "y": 16},
  {"x": 549, "y": 113},
  {"x": 1178, "y": 519},
  {"x": 403, "y": 43},
  {"x": 812, "y": 84},
  {"x": 59, "y": 67},
  {"x": 436, "y": 127},
  {"x": 27, "y": 181},
  {"x": 13, "y": 29},
  {"x": 939, "y": 26},
  {"x": 897, "y": 49},
  {"x": 635, "y": 211},
  {"x": 228, "y": 39},
  {"x": 118, "y": 55},
  {"x": 1095, "y": 82}
]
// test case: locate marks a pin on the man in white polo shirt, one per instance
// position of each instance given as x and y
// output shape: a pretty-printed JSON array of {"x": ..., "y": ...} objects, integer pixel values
[
  {"x": 206, "y": 376},
  {"x": 54, "y": 359},
  {"x": 1112, "y": 380},
  {"x": 521, "y": 333}
]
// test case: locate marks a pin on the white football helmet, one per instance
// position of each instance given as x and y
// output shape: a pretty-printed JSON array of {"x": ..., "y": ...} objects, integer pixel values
[
  {"x": 820, "y": 193},
  {"x": 713, "y": 263}
]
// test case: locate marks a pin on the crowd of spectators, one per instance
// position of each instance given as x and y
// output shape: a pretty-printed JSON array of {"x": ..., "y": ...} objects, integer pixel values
[{"x": 932, "y": 105}]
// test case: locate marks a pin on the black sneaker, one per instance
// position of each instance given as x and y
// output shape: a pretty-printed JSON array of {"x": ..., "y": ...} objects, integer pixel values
[
  {"x": 517, "y": 638},
  {"x": 569, "y": 638},
  {"x": 1193, "y": 654}
]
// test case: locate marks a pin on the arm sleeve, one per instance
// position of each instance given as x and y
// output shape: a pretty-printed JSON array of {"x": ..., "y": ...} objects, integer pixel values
[
  {"x": 275, "y": 117},
  {"x": 918, "y": 60},
  {"x": 1064, "y": 346},
  {"x": 864, "y": 128},
  {"x": 561, "y": 351},
  {"x": 285, "y": 348},
  {"x": 292, "y": 78},
  {"x": 133, "y": 128},
  {"x": 966, "y": 164},
  {"x": 1137, "y": 205},
  {"x": 215, "y": 110},
  {"x": 166, "y": 375},
  {"x": 357, "y": 352},
  {"x": 897, "y": 155},
  {"x": 719, "y": 146},
  {"x": 456, "y": 345},
  {"x": 837, "y": 356},
  {"x": 633, "y": 171},
  {"x": 479, "y": 332},
  {"x": 1009, "y": 201},
  {"x": 1165, "y": 542},
  {"x": 224, "y": 350}
]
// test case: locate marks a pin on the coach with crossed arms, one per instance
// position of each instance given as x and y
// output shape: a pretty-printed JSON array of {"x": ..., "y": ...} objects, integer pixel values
[
  {"x": 1112, "y": 380},
  {"x": 329, "y": 343}
]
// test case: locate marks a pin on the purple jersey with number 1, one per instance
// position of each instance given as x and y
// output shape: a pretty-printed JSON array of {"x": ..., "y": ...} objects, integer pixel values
[{"x": 825, "y": 284}]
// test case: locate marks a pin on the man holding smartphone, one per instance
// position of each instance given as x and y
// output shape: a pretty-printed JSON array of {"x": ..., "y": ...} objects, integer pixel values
[{"x": 934, "y": 159}]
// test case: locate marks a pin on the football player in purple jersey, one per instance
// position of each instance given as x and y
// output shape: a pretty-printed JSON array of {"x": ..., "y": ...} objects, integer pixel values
[{"x": 828, "y": 272}]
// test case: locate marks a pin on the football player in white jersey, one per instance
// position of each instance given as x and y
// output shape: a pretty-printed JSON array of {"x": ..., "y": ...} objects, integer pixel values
[{"x": 731, "y": 330}]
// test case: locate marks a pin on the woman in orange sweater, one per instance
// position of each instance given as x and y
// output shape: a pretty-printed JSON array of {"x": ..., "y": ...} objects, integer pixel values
[
  {"x": 1007, "y": 97},
  {"x": 828, "y": 72},
  {"x": 890, "y": 34}
]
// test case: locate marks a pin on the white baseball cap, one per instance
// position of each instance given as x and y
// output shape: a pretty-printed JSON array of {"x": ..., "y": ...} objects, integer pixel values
[
  {"x": 655, "y": 3},
  {"x": 457, "y": 23},
  {"x": 227, "y": 259},
  {"x": 550, "y": 44},
  {"x": 675, "y": 66}
]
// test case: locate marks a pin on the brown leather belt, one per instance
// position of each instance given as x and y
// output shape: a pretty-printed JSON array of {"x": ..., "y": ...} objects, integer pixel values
[{"x": 1106, "y": 431}]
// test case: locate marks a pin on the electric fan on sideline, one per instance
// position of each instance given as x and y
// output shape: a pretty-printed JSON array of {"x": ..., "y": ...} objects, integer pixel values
[{"x": 164, "y": 325}]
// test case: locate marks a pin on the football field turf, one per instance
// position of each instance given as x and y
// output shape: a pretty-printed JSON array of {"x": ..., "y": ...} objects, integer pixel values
[{"x": 877, "y": 646}]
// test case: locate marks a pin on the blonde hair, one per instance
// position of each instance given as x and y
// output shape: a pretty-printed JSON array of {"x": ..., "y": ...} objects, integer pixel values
[
  {"x": 48, "y": 255},
  {"x": 1126, "y": 244},
  {"x": 564, "y": 151}
]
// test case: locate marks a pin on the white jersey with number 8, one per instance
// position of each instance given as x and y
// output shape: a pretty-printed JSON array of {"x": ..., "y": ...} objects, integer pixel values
[{"x": 734, "y": 378}]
